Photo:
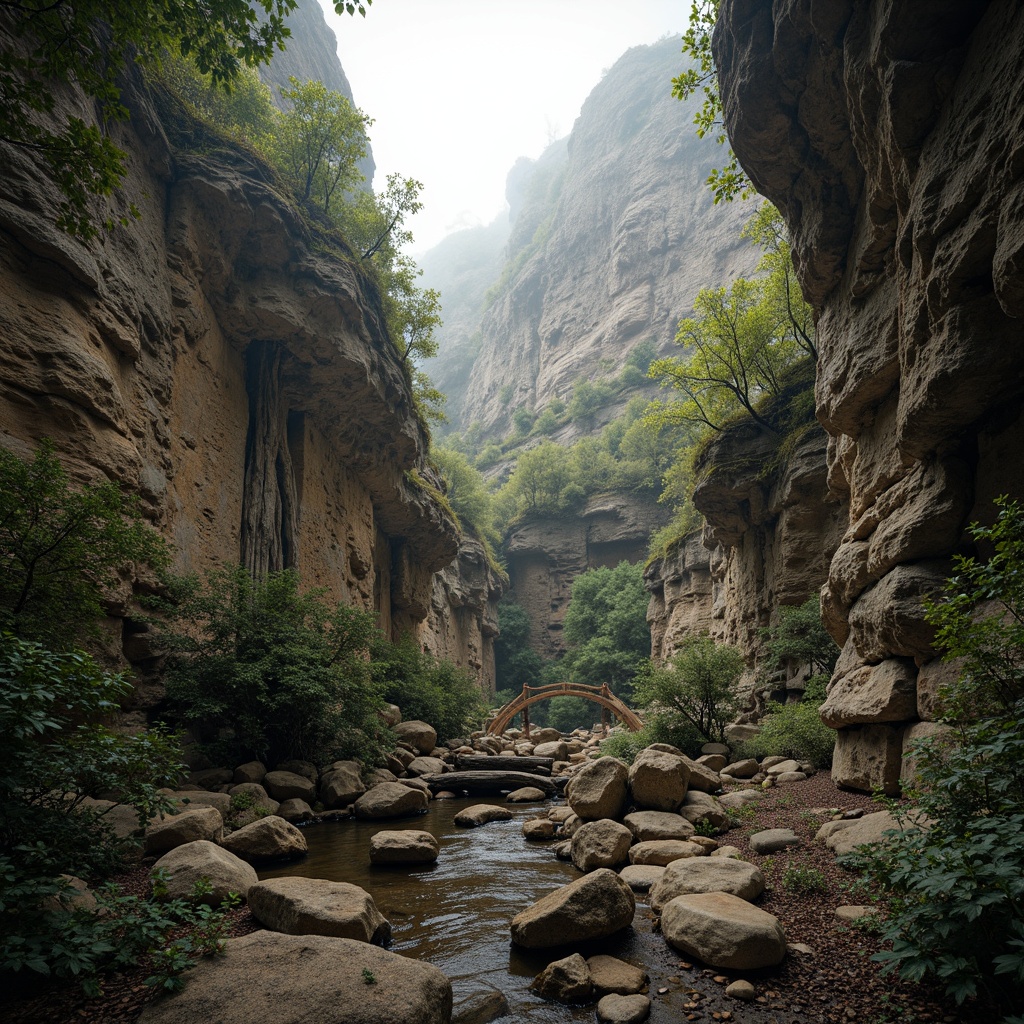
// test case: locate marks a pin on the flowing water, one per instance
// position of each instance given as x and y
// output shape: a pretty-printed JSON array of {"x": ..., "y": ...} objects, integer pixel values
[{"x": 456, "y": 913}]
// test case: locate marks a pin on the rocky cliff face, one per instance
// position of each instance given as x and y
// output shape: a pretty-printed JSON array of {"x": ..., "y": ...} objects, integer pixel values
[
  {"x": 609, "y": 245},
  {"x": 891, "y": 137},
  {"x": 770, "y": 530},
  {"x": 546, "y": 555},
  {"x": 222, "y": 361}
]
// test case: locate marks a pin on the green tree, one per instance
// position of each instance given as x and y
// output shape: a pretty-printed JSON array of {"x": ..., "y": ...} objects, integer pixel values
[
  {"x": 319, "y": 142},
  {"x": 63, "y": 549},
  {"x": 516, "y": 663},
  {"x": 544, "y": 482},
  {"x": 696, "y": 687},
  {"x": 468, "y": 495},
  {"x": 264, "y": 670},
  {"x": 89, "y": 44},
  {"x": 605, "y": 630},
  {"x": 954, "y": 876},
  {"x": 800, "y": 638},
  {"x": 587, "y": 399}
]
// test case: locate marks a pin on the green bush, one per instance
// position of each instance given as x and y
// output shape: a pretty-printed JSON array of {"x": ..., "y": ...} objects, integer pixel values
[
  {"x": 956, "y": 887},
  {"x": 264, "y": 671},
  {"x": 515, "y": 662},
  {"x": 426, "y": 688},
  {"x": 679, "y": 734},
  {"x": 695, "y": 690},
  {"x": 795, "y": 730},
  {"x": 800, "y": 638}
]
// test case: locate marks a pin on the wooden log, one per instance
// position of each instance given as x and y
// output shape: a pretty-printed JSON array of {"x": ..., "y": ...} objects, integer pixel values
[
  {"x": 499, "y": 763},
  {"x": 488, "y": 782}
]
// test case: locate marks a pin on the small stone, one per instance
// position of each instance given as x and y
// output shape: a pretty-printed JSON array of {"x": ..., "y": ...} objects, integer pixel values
[
  {"x": 772, "y": 840},
  {"x": 741, "y": 990},
  {"x": 614, "y": 1009}
]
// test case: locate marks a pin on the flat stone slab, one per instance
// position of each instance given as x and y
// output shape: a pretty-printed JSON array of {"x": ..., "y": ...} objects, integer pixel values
[
  {"x": 708, "y": 874},
  {"x": 481, "y": 814},
  {"x": 647, "y": 826},
  {"x": 772, "y": 840},
  {"x": 615, "y": 1009},
  {"x": 641, "y": 877},
  {"x": 664, "y": 851},
  {"x": 609, "y": 974}
]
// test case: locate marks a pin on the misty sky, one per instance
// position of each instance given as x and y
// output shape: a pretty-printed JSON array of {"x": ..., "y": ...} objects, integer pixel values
[{"x": 459, "y": 89}]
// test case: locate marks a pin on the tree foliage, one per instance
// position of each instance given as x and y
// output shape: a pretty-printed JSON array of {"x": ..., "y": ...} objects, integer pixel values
[
  {"x": 605, "y": 629},
  {"x": 696, "y": 687},
  {"x": 515, "y": 662},
  {"x": 89, "y": 43},
  {"x": 955, "y": 884},
  {"x": 468, "y": 495},
  {"x": 800, "y": 638},
  {"x": 795, "y": 729},
  {"x": 63, "y": 548}
]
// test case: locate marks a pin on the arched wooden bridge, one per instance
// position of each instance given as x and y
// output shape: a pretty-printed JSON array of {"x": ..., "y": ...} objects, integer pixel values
[{"x": 532, "y": 694}]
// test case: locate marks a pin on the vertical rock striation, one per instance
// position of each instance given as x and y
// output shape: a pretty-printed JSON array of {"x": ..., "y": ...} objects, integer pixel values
[{"x": 891, "y": 136}]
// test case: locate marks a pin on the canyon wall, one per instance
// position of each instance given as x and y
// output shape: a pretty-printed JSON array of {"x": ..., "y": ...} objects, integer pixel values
[
  {"x": 891, "y": 137},
  {"x": 227, "y": 361}
]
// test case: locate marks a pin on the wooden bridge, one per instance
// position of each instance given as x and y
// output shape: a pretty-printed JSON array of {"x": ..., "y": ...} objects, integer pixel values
[{"x": 532, "y": 694}]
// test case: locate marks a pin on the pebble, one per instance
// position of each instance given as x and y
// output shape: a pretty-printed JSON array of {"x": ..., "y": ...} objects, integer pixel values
[{"x": 742, "y": 990}]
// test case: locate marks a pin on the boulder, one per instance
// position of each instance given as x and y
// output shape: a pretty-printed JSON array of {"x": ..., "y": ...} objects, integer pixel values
[
  {"x": 205, "y": 861},
  {"x": 641, "y": 877},
  {"x": 723, "y": 931},
  {"x": 539, "y": 829},
  {"x": 599, "y": 789},
  {"x": 285, "y": 785},
  {"x": 601, "y": 844},
  {"x": 707, "y": 874},
  {"x": 781, "y": 767},
  {"x": 424, "y": 765},
  {"x": 652, "y": 825},
  {"x": 546, "y": 735},
  {"x": 558, "y": 750},
  {"x": 845, "y": 836},
  {"x": 739, "y": 798},
  {"x": 163, "y": 834},
  {"x": 311, "y": 978},
  {"x": 210, "y": 778},
  {"x": 267, "y": 839},
  {"x": 615, "y": 1009},
  {"x": 294, "y": 810},
  {"x": 123, "y": 819},
  {"x": 251, "y": 771},
  {"x": 316, "y": 906},
  {"x": 75, "y": 894},
  {"x": 741, "y": 990},
  {"x": 772, "y": 840},
  {"x": 713, "y": 762},
  {"x": 745, "y": 769},
  {"x": 787, "y": 777},
  {"x": 702, "y": 778},
  {"x": 565, "y": 981},
  {"x": 341, "y": 785},
  {"x": 526, "y": 795},
  {"x": 190, "y": 799},
  {"x": 559, "y": 815},
  {"x": 658, "y": 780},
  {"x": 390, "y": 715},
  {"x": 403, "y": 846},
  {"x": 662, "y": 852},
  {"x": 253, "y": 795},
  {"x": 609, "y": 974},
  {"x": 296, "y": 767},
  {"x": 391, "y": 800},
  {"x": 418, "y": 735},
  {"x": 481, "y": 814},
  {"x": 592, "y": 907},
  {"x": 480, "y": 1008},
  {"x": 700, "y": 806}
]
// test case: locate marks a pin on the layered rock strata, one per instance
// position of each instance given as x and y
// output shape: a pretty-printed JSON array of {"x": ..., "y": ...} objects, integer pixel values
[
  {"x": 225, "y": 361},
  {"x": 892, "y": 139}
]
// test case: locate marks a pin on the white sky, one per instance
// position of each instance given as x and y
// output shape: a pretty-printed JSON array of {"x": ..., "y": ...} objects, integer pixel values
[{"x": 459, "y": 89}]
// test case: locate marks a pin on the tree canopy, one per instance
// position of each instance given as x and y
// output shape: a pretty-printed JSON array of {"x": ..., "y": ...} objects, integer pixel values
[{"x": 89, "y": 43}]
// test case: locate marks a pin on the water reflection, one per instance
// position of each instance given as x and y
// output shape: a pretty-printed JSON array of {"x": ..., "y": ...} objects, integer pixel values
[{"x": 456, "y": 913}]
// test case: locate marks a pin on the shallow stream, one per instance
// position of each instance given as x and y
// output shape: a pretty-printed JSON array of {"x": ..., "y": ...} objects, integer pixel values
[{"x": 455, "y": 914}]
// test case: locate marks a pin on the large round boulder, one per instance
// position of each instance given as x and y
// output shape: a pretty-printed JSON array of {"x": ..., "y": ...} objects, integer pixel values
[
  {"x": 723, "y": 931},
  {"x": 545, "y": 735},
  {"x": 163, "y": 834},
  {"x": 601, "y": 844},
  {"x": 391, "y": 800},
  {"x": 707, "y": 874},
  {"x": 316, "y": 906},
  {"x": 424, "y": 765},
  {"x": 403, "y": 846},
  {"x": 565, "y": 981},
  {"x": 592, "y": 907},
  {"x": 419, "y": 735},
  {"x": 251, "y": 771},
  {"x": 267, "y": 839},
  {"x": 341, "y": 785},
  {"x": 203, "y": 861},
  {"x": 651, "y": 825},
  {"x": 308, "y": 978},
  {"x": 658, "y": 780},
  {"x": 557, "y": 750},
  {"x": 599, "y": 789},
  {"x": 285, "y": 785}
]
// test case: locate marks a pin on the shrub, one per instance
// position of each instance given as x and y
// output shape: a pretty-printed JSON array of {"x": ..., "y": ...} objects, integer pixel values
[
  {"x": 680, "y": 734},
  {"x": 264, "y": 671},
  {"x": 696, "y": 688},
  {"x": 426, "y": 688},
  {"x": 802, "y": 879},
  {"x": 796, "y": 730},
  {"x": 956, "y": 888},
  {"x": 800, "y": 638}
]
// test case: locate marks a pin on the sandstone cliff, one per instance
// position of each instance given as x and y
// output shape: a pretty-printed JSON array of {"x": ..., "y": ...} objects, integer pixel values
[
  {"x": 891, "y": 138},
  {"x": 228, "y": 363},
  {"x": 609, "y": 244}
]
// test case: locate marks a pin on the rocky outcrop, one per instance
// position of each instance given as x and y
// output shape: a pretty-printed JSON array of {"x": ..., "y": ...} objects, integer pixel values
[
  {"x": 770, "y": 529},
  {"x": 222, "y": 358},
  {"x": 608, "y": 249},
  {"x": 546, "y": 555},
  {"x": 890, "y": 136}
]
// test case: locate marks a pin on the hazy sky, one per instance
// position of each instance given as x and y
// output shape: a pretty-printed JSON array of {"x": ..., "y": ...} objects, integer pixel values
[{"x": 459, "y": 89}]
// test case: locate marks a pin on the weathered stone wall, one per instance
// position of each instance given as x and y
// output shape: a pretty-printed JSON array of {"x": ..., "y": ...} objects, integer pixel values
[
  {"x": 135, "y": 354},
  {"x": 891, "y": 136},
  {"x": 768, "y": 535}
]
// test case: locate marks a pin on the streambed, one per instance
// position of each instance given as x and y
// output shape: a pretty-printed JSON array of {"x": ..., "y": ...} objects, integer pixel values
[{"x": 456, "y": 913}]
